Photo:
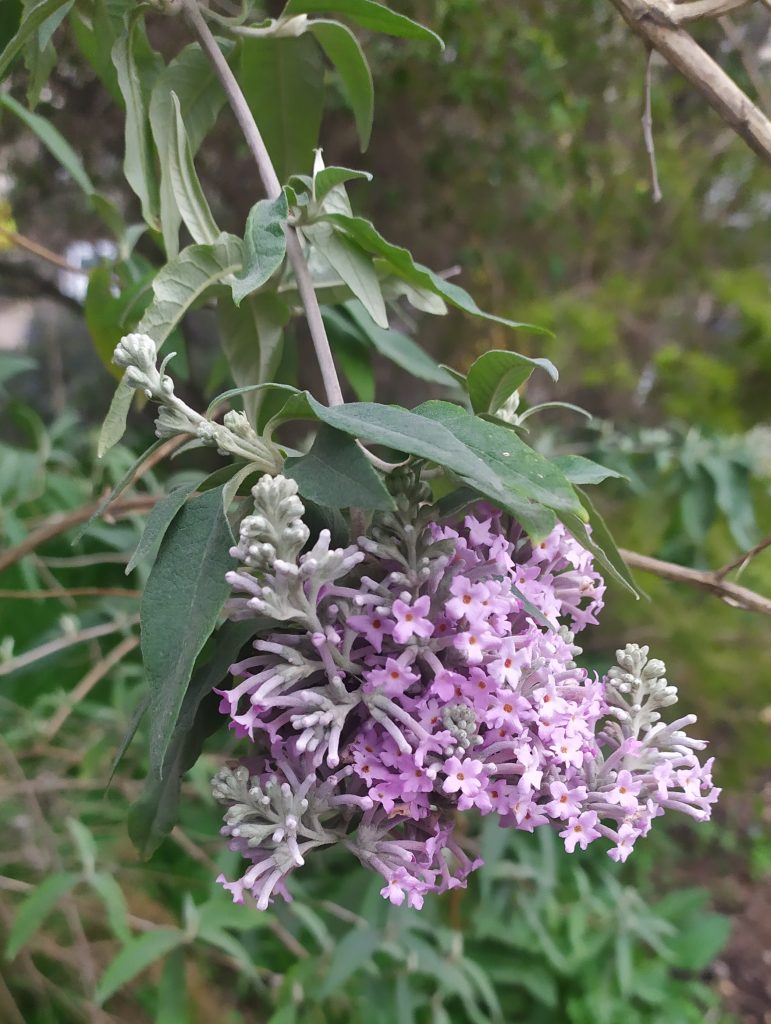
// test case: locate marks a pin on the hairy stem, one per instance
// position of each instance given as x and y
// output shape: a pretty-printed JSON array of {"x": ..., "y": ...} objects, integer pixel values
[{"x": 272, "y": 187}]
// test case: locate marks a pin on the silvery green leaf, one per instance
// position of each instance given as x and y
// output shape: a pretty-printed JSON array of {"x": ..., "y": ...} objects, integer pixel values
[
  {"x": 138, "y": 166},
  {"x": 353, "y": 265},
  {"x": 185, "y": 280},
  {"x": 264, "y": 245},
  {"x": 342, "y": 48}
]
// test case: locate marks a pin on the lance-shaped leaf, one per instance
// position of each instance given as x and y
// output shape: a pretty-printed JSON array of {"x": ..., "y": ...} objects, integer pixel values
[
  {"x": 400, "y": 262},
  {"x": 189, "y": 78},
  {"x": 290, "y": 71},
  {"x": 514, "y": 462},
  {"x": 335, "y": 473},
  {"x": 155, "y": 812},
  {"x": 342, "y": 48},
  {"x": 182, "y": 600},
  {"x": 332, "y": 177},
  {"x": 497, "y": 374},
  {"x": 136, "y": 956},
  {"x": 353, "y": 265},
  {"x": 399, "y": 348},
  {"x": 600, "y": 542},
  {"x": 53, "y": 140},
  {"x": 138, "y": 164},
  {"x": 114, "y": 426},
  {"x": 36, "y": 908},
  {"x": 264, "y": 245},
  {"x": 159, "y": 520},
  {"x": 373, "y": 16},
  {"x": 180, "y": 178},
  {"x": 417, "y": 434},
  {"x": 580, "y": 470},
  {"x": 185, "y": 280},
  {"x": 35, "y": 14}
]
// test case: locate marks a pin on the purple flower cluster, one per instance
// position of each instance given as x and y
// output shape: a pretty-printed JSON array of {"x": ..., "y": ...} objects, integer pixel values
[{"x": 426, "y": 670}]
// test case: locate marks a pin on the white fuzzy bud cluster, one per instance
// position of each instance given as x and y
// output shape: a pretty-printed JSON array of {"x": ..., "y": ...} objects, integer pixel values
[
  {"x": 136, "y": 353},
  {"x": 276, "y": 530},
  {"x": 638, "y": 687}
]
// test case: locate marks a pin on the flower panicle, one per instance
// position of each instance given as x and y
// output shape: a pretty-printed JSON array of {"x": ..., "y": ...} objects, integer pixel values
[{"x": 430, "y": 669}]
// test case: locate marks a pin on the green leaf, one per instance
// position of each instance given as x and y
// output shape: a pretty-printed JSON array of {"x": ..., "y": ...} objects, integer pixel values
[
  {"x": 190, "y": 78},
  {"x": 160, "y": 519},
  {"x": 335, "y": 473},
  {"x": 353, "y": 265},
  {"x": 342, "y": 48},
  {"x": 173, "y": 1005},
  {"x": 699, "y": 942},
  {"x": 180, "y": 176},
  {"x": 138, "y": 165},
  {"x": 264, "y": 245},
  {"x": 114, "y": 902},
  {"x": 114, "y": 426},
  {"x": 35, "y": 14},
  {"x": 252, "y": 337},
  {"x": 349, "y": 955},
  {"x": 290, "y": 71},
  {"x": 332, "y": 177},
  {"x": 399, "y": 348},
  {"x": 515, "y": 464},
  {"x": 497, "y": 374},
  {"x": 602, "y": 545},
  {"x": 135, "y": 957},
  {"x": 373, "y": 16},
  {"x": 53, "y": 140},
  {"x": 131, "y": 730},
  {"x": 416, "y": 434},
  {"x": 154, "y": 814},
  {"x": 36, "y": 908},
  {"x": 400, "y": 261},
  {"x": 580, "y": 470},
  {"x": 182, "y": 599},
  {"x": 185, "y": 280}
]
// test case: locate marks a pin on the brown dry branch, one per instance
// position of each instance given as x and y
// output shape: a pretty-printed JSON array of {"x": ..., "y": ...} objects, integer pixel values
[
  {"x": 43, "y": 253},
  {"x": 63, "y": 642},
  {"x": 95, "y": 674},
  {"x": 60, "y": 523},
  {"x": 40, "y": 595},
  {"x": 659, "y": 24},
  {"x": 712, "y": 581}
]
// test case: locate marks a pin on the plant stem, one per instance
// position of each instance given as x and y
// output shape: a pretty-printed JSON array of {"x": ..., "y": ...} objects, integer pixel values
[{"x": 272, "y": 187}]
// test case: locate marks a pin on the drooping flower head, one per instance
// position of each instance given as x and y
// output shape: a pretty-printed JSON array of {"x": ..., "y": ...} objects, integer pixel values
[{"x": 426, "y": 670}]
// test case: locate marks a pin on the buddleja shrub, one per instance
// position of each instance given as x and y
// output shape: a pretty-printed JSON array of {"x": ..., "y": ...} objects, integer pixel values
[{"x": 399, "y": 638}]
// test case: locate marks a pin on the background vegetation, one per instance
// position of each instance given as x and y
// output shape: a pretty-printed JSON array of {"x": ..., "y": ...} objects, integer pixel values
[{"x": 520, "y": 159}]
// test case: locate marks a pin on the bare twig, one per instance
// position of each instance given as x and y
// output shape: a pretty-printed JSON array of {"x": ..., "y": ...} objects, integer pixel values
[
  {"x": 62, "y": 522},
  {"x": 272, "y": 187},
  {"x": 710, "y": 581},
  {"x": 87, "y": 683},
  {"x": 40, "y": 251},
  {"x": 63, "y": 642},
  {"x": 696, "y": 9},
  {"x": 39, "y": 595},
  {"x": 654, "y": 21},
  {"x": 742, "y": 561},
  {"x": 647, "y": 125}
]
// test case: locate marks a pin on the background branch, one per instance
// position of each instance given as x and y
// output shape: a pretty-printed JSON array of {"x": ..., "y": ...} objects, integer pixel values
[
  {"x": 656, "y": 25},
  {"x": 709, "y": 580}
]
